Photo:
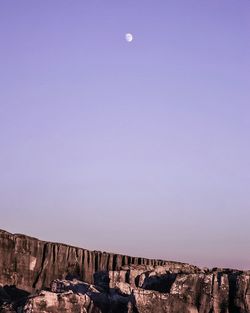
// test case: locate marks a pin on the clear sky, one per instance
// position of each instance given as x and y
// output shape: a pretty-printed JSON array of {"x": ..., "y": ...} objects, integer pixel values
[{"x": 140, "y": 148}]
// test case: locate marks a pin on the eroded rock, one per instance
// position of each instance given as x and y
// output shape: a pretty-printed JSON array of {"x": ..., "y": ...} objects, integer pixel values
[{"x": 38, "y": 276}]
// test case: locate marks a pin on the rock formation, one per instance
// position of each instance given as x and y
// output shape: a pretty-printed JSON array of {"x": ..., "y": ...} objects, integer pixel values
[{"x": 38, "y": 276}]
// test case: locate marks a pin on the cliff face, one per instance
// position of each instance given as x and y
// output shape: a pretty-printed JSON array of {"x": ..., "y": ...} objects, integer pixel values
[
  {"x": 32, "y": 264},
  {"x": 62, "y": 278}
]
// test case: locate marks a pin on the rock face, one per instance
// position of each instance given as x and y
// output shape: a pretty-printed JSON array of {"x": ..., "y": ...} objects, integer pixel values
[
  {"x": 30, "y": 264},
  {"x": 38, "y": 276}
]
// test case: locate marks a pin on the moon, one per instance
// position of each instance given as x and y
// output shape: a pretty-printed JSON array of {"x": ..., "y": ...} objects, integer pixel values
[{"x": 129, "y": 37}]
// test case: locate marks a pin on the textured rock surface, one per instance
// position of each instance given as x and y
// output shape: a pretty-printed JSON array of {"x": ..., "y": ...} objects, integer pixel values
[
  {"x": 30, "y": 264},
  {"x": 76, "y": 296},
  {"x": 65, "y": 302},
  {"x": 62, "y": 278}
]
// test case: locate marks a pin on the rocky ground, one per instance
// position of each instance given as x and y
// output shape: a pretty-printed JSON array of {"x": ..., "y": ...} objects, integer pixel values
[{"x": 37, "y": 276}]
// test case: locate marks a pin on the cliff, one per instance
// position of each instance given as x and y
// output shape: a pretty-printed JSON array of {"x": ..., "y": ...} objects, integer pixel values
[
  {"x": 38, "y": 276},
  {"x": 30, "y": 264}
]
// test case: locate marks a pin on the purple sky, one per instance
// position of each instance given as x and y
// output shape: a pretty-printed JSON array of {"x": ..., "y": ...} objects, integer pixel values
[{"x": 140, "y": 148}]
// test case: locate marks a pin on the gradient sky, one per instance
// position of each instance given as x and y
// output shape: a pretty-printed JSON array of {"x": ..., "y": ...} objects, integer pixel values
[{"x": 141, "y": 148}]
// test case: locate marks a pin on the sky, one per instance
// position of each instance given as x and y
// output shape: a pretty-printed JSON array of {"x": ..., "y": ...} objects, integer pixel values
[{"x": 139, "y": 148}]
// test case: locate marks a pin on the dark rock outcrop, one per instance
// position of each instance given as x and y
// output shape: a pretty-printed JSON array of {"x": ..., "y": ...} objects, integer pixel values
[
  {"x": 38, "y": 276},
  {"x": 30, "y": 264}
]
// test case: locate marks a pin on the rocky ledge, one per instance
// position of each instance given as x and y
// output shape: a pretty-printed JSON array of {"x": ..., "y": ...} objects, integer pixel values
[{"x": 38, "y": 276}]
